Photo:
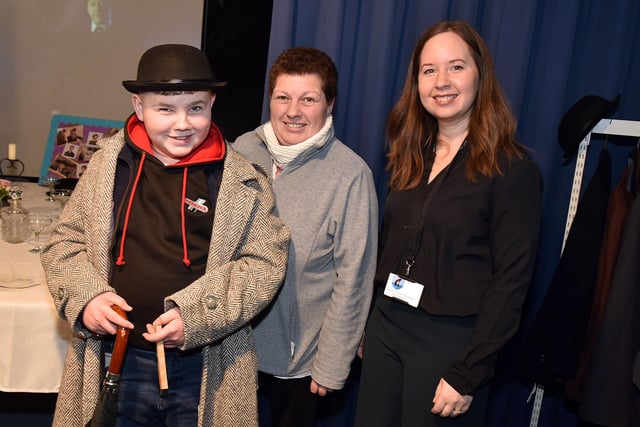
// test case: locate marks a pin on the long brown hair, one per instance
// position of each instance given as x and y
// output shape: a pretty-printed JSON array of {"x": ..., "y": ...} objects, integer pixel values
[{"x": 411, "y": 129}]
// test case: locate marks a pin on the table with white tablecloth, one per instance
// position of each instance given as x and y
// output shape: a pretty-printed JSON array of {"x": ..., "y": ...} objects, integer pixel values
[{"x": 33, "y": 339}]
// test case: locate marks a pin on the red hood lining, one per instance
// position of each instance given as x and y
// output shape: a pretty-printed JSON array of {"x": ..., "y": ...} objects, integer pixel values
[{"x": 212, "y": 149}]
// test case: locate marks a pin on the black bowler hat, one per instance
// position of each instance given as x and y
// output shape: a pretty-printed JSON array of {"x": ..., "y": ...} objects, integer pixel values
[
  {"x": 173, "y": 67},
  {"x": 580, "y": 119}
]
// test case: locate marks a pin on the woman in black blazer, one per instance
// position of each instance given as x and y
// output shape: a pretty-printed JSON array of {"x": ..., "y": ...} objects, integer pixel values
[{"x": 460, "y": 228}]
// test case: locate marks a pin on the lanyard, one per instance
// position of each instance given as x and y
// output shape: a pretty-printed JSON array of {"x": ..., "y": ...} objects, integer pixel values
[{"x": 429, "y": 191}]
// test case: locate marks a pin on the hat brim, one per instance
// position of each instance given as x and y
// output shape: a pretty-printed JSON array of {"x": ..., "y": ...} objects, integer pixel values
[
  {"x": 136, "y": 86},
  {"x": 589, "y": 109}
]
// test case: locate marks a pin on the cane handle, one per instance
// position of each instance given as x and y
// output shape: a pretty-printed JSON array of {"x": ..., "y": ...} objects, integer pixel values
[{"x": 120, "y": 347}]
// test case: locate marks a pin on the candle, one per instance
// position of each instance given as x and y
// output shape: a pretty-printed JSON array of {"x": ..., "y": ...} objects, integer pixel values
[{"x": 12, "y": 152}]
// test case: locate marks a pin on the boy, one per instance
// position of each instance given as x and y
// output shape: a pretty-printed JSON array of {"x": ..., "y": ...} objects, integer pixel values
[{"x": 179, "y": 231}]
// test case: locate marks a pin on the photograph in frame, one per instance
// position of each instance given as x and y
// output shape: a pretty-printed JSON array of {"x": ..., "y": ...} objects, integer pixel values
[{"x": 72, "y": 142}]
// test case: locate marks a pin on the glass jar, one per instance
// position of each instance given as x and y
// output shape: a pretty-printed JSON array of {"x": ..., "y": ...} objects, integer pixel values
[{"x": 14, "y": 222}]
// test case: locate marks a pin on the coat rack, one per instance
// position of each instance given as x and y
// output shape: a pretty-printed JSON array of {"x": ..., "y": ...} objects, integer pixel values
[
  {"x": 627, "y": 128},
  {"x": 604, "y": 127}
]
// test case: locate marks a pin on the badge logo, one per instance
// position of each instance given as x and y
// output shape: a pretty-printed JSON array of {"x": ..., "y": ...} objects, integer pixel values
[{"x": 198, "y": 205}]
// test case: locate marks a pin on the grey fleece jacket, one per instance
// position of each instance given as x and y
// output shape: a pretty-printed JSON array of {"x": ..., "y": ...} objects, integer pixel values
[{"x": 327, "y": 198}]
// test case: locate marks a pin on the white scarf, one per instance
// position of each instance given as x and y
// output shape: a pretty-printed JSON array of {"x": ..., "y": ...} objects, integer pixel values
[{"x": 283, "y": 154}]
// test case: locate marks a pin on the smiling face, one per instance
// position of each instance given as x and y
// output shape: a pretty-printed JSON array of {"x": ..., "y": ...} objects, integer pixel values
[
  {"x": 448, "y": 79},
  {"x": 298, "y": 107},
  {"x": 176, "y": 123}
]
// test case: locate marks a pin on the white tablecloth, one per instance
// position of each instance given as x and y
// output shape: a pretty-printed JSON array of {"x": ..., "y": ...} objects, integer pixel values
[{"x": 33, "y": 340}]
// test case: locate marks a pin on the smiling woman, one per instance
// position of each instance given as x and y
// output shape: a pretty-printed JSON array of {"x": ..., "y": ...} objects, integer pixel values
[
  {"x": 324, "y": 192},
  {"x": 298, "y": 107},
  {"x": 468, "y": 257}
]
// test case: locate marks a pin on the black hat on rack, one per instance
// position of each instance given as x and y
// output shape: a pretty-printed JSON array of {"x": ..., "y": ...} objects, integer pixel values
[
  {"x": 173, "y": 67},
  {"x": 580, "y": 119}
]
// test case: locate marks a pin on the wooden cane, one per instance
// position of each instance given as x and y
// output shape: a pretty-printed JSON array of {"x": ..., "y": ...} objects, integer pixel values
[
  {"x": 162, "y": 365},
  {"x": 106, "y": 408},
  {"x": 120, "y": 347}
]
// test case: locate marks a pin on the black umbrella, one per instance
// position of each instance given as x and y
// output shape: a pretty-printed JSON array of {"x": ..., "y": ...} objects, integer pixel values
[{"x": 107, "y": 408}]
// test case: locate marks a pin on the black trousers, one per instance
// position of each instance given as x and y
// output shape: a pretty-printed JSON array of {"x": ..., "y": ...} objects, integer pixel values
[
  {"x": 290, "y": 403},
  {"x": 406, "y": 352}
]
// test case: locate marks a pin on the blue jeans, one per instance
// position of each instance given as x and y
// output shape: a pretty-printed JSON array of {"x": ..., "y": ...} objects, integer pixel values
[{"x": 139, "y": 400}]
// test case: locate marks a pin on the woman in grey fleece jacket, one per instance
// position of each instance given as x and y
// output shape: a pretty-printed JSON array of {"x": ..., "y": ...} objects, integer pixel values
[{"x": 326, "y": 196}]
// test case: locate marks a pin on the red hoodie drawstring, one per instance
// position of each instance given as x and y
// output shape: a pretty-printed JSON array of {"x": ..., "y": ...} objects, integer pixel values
[
  {"x": 212, "y": 150},
  {"x": 185, "y": 250},
  {"x": 120, "y": 259}
]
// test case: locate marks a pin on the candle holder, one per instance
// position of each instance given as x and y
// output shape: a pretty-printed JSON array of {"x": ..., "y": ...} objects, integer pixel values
[{"x": 11, "y": 167}]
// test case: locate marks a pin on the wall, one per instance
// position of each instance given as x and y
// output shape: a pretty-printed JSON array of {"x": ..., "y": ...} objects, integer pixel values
[{"x": 51, "y": 61}]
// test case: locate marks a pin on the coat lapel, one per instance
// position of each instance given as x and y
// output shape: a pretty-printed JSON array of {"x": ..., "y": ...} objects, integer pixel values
[{"x": 235, "y": 204}]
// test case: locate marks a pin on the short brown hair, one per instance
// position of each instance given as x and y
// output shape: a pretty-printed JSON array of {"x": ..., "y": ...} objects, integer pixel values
[{"x": 306, "y": 60}]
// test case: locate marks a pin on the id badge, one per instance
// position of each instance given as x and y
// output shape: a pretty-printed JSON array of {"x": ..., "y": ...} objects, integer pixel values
[{"x": 403, "y": 289}]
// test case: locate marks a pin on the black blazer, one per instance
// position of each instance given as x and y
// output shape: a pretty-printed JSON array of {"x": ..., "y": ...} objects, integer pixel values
[{"x": 476, "y": 253}]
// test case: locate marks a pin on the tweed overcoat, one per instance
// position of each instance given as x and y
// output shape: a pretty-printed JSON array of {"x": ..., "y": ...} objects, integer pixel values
[{"x": 245, "y": 268}]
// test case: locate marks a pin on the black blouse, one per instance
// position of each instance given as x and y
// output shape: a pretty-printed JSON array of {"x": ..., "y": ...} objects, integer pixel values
[{"x": 476, "y": 253}]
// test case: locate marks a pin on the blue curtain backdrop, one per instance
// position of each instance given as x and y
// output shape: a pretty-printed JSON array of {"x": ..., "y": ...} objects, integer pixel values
[{"x": 548, "y": 54}]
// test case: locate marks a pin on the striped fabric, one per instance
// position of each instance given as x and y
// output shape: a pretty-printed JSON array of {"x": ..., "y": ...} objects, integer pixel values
[{"x": 246, "y": 266}]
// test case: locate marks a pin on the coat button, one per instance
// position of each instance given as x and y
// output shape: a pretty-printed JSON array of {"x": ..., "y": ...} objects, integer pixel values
[
  {"x": 60, "y": 293},
  {"x": 211, "y": 302}
]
